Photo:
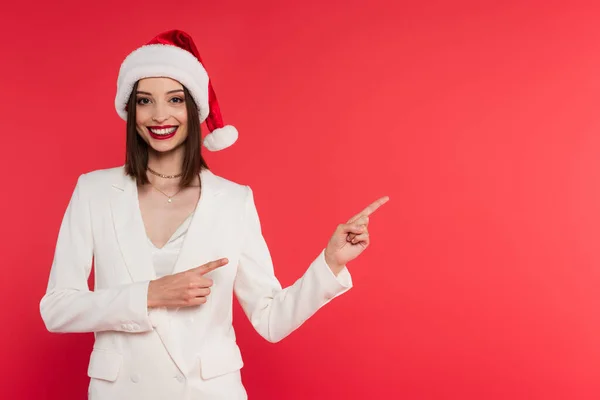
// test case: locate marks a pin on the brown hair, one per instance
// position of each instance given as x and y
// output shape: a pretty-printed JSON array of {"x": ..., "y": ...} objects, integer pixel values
[{"x": 136, "y": 149}]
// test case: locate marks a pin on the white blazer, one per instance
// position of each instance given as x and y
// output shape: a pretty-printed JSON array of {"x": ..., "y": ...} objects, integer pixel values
[{"x": 186, "y": 353}]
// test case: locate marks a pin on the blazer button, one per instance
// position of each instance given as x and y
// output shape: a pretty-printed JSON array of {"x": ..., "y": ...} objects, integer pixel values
[
  {"x": 135, "y": 378},
  {"x": 179, "y": 377}
]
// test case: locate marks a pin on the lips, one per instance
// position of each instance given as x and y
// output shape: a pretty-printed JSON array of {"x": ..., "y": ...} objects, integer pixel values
[{"x": 162, "y": 132}]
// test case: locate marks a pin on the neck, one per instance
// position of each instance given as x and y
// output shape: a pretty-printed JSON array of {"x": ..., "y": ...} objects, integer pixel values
[{"x": 169, "y": 163}]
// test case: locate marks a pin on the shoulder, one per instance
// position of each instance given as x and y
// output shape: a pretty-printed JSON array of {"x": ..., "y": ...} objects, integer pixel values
[
  {"x": 232, "y": 195},
  {"x": 225, "y": 186},
  {"x": 103, "y": 175},
  {"x": 236, "y": 193},
  {"x": 95, "y": 180}
]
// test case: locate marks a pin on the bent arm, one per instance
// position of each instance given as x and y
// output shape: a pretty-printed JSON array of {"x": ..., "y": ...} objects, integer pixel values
[
  {"x": 68, "y": 305},
  {"x": 275, "y": 312}
]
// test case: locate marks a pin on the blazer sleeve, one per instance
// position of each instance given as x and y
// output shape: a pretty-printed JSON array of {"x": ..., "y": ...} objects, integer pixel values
[
  {"x": 68, "y": 305},
  {"x": 275, "y": 312}
]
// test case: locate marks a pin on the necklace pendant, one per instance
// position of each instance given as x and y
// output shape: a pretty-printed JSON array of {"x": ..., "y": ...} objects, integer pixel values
[{"x": 170, "y": 200}]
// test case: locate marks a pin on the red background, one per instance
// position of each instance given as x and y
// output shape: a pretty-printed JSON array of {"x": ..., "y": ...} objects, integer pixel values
[{"x": 479, "y": 119}]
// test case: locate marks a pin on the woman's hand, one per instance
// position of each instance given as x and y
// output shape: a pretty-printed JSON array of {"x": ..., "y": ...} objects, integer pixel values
[
  {"x": 350, "y": 239},
  {"x": 184, "y": 289}
]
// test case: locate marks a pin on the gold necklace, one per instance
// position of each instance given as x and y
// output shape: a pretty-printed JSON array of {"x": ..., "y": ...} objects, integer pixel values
[
  {"x": 169, "y": 198},
  {"x": 164, "y": 176}
]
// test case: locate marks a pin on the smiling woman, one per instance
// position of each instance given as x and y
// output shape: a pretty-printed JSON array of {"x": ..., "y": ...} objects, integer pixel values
[{"x": 166, "y": 234}]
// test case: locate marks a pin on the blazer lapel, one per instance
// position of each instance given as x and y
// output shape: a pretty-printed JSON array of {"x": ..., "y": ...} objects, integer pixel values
[
  {"x": 193, "y": 251},
  {"x": 130, "y": 230}
]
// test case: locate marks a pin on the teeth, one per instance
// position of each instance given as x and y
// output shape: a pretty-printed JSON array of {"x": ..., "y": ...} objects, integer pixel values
[{"x": 166, "y": 131}]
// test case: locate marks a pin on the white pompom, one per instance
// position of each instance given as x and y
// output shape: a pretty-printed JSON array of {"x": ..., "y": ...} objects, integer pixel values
[{"x": 221, "y": 138}]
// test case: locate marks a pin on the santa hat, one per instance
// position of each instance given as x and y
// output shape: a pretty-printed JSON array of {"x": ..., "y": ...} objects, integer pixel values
[{"x": 174, "y": 55}]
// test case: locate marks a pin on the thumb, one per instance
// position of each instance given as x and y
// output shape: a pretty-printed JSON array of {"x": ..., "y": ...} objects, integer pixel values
[{"x": 351, "y": 228}]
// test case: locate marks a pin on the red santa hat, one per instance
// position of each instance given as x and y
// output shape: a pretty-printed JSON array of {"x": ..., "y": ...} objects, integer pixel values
[{"x": 174, "y": 55}]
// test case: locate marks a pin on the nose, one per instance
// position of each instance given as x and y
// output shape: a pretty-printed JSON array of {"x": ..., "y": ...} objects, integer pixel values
[
  {"x": 160, "y": 118},
  {"x": 161, "y": 113}
]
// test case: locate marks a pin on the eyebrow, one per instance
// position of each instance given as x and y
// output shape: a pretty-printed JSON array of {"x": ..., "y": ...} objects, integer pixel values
[{"x": 169, "y": 92}]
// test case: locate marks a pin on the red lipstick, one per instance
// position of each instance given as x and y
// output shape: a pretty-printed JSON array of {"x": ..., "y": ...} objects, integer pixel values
[{"x": 162, "y": 132}]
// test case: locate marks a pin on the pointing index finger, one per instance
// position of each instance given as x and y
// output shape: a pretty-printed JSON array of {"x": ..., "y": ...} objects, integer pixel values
[
  {"x": 371, "y": 208},
  {"x": 211, "y": 266}
]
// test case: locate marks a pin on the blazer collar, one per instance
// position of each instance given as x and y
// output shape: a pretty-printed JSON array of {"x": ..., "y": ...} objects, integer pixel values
[{"x": 131, "y": 232}]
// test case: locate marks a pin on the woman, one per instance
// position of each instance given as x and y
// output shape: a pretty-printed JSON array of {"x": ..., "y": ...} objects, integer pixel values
[{"x": 171, "y": 242}]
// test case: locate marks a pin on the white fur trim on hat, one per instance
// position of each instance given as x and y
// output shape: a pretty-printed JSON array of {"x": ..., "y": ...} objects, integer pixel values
[
  {"x": 161, "y": 60},
  {"x": 220, "y": 138}
]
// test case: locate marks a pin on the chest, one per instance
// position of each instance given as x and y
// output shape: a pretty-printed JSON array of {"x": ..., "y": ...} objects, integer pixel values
[
  {"x": 161, "y": 217},
  {"x": 121, "y": 250}
]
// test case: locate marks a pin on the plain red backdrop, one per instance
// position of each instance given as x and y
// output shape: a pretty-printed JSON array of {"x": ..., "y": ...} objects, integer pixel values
[{"x": 479, "y": 119}]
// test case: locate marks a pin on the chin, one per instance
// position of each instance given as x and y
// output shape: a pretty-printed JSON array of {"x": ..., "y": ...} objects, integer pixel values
[{"x": 164, "y": 146}]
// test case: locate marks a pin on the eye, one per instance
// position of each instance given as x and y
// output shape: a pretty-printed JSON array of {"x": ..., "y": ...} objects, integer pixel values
[
  {"x": 143, "y": 101},
  {"x": 178, "y": 100}
]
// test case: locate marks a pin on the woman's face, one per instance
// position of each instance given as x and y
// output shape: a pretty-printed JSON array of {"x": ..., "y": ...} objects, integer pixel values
[{"x": 161, "y": 116}]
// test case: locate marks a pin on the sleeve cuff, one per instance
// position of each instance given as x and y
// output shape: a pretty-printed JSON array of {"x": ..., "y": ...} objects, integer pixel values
[
  {"x": 333, "y": 285},
  {"x": 138, "y": 303}
]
